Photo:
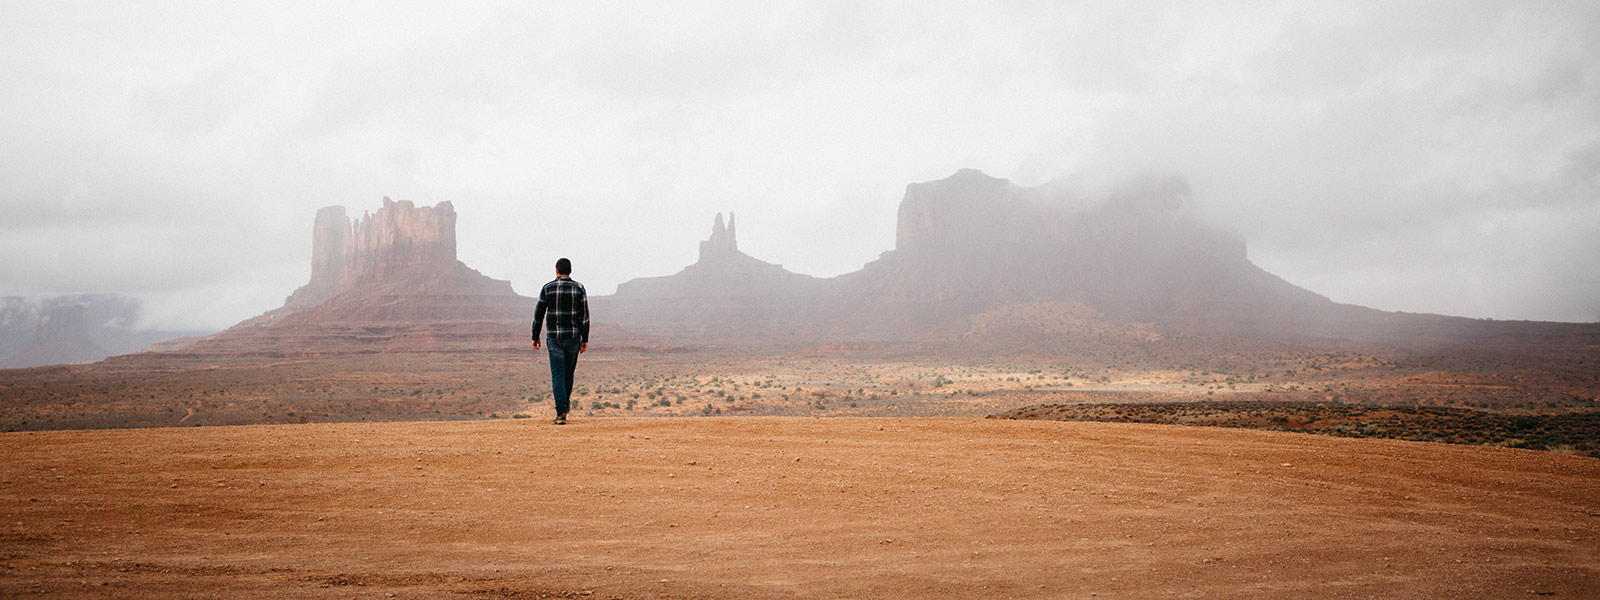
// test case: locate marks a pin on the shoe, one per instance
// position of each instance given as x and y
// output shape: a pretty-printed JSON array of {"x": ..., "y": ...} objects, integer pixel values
[{"x": 560, "y": 420}]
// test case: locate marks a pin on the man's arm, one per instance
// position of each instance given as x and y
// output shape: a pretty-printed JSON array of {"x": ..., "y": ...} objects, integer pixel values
[
  {"x": 583, "y": 321},
  {"x": 538, "y": 320}
]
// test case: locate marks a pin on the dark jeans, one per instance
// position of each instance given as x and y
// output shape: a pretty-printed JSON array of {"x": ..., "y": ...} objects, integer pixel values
[{"x": 563, "y": 364}]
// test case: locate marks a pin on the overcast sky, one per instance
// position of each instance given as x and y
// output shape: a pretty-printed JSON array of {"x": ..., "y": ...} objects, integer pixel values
[{"x": 1437, "y": 157}]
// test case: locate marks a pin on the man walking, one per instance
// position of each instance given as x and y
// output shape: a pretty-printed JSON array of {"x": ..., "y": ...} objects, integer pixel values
[{"x": 565, "y": 304}]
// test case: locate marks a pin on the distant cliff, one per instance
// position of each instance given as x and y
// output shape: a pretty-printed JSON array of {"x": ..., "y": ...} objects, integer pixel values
[
  {"x": 62, "y": 337},
  {"x": 969, "y": 244},
  {"x": 976, "y": 259},
  {"x": 977, "y": 255},
  {"x": 397, "y": 241},
  {"x": 972, "y": 243},
  {"x": 387, "y": 281},
  {"x": 711, "y": 299},
  {"x": 73, "y": 328}
]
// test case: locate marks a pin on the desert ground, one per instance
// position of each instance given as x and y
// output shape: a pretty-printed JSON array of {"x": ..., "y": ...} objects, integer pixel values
[
  {"x": 786, "y": 507},
  {"x": 161, "y": 390}
]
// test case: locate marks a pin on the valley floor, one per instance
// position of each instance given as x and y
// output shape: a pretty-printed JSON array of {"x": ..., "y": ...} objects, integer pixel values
[
  {"x": 165, "y": 390},
  {"x": 785, "y": 507}
]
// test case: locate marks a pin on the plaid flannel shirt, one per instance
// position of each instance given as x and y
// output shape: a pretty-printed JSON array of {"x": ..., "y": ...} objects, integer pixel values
[{"x": 565, "y": 304}]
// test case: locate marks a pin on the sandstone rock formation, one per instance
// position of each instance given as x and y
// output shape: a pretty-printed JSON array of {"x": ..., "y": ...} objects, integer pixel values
[
  {"x": 396, "y": 265},
  {"x": 975, "y": 256},
  {"x": 387, "y": 280},
  {"x": 969, "y": 244},
  {"x": 973, "y": 243},
  {"x": 975, "y": 253},
  {"x": 400, "y": 240}
]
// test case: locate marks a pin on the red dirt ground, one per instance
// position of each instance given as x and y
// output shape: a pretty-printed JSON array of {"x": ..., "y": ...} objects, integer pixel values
[{"x": 746, "y": 507}]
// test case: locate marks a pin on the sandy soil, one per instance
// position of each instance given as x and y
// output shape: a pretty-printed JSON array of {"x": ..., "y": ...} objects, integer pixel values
[{"x": 745, "y": 507}]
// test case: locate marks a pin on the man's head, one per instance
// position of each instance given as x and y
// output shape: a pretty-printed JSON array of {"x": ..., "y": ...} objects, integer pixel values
[{"x": 563, "y": 267}]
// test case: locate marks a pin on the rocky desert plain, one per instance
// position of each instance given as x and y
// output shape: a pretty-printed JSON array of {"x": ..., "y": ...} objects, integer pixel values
[{"x": 1120, "y": 405}]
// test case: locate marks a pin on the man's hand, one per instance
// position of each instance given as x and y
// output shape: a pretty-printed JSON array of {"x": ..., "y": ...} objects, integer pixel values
[
  {"x": 582, "y": 347},
  {"x": 535, "y": 343}
]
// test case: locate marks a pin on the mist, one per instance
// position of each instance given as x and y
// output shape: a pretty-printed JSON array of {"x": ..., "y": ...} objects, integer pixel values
[{"x": 1425, "y": 157}]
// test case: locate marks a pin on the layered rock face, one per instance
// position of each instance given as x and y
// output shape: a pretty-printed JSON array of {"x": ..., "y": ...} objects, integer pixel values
[
  {"x": 396, "y": 265},
  {"x": 387, "y": 280},
  {"x": 399, "y": 240}
]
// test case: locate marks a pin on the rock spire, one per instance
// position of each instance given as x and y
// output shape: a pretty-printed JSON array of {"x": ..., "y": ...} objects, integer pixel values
[{"x": 724, "y": 240}]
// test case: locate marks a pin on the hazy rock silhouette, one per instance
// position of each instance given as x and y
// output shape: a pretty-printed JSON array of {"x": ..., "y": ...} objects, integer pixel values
[
  {"x": 46, "y": 330},
  {"x": 976, "y": 258},
  {"x": 723, "y": 243},
  {"x": 972, "y": 251},
  {"x": 972, "y": 243},
  {"x": 62, "y": 337},
  {"x": 726, "y": 294}
]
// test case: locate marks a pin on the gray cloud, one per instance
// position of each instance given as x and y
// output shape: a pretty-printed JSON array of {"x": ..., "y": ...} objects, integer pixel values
[{"x": 1430, "y": 157}]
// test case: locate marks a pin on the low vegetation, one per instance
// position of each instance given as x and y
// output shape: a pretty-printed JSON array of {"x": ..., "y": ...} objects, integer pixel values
[
  {"x": 1566, "y": 432},
  {"x": 1460, "y": 397}
]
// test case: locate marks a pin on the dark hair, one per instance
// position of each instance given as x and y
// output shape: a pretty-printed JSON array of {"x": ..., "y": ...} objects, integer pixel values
[{"x": 563, "y": 267}]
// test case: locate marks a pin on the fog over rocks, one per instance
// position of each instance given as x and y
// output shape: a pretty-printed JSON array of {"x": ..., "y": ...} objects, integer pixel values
[
  {"x": 62, "y": 337},
  {"x": 1433, "y": 157},
  {"x": 971, "y": 243},
  {"x": 75, "y": 328},
  {"x": 1134, "y": 260},
  {"x": 976, "y": 258}
]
